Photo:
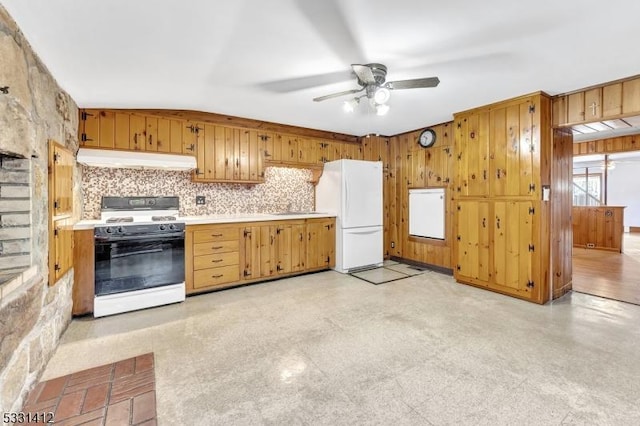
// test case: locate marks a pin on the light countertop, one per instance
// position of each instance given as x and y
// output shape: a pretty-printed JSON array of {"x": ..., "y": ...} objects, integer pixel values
[{"x": 222, "y": 218}]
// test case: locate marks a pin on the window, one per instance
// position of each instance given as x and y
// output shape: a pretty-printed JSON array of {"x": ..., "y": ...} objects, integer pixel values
[{"x": 587, "y": 189}]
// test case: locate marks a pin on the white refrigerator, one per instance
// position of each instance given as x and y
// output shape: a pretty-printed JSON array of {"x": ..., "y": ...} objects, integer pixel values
[{"x": 352, "y": 190}]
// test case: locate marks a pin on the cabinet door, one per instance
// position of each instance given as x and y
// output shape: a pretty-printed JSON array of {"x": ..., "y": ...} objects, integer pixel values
[
  {"x": 63, "y": 240},
  {"x": 62, "y": 181},
  {"x": 89, "y": 128},
  {"x": 122, "y": 123},
  {"x": 230, "y": 163},
  {"x": 290, "y": 149},
  {"x": 298, "y": 248},
  {"x": 268, "y": 254},
  {"x": 478, "y": 145},
  {"x": 283, "y": 249},
  {"x": 244, "y": 157},
  {"x": 251, "y": 250},
  {"x": 163, "y": 141},
  {"x": 271, "y": 143},
  {"x": 328, "y": 243},
  {"x": 206, "y": 153},
  {"x": 472, "y": 240},
  {"x": 575, "y": 107},
  {"x": 151, "y": 134},
  {"x": 320, "y": 243},
  {"x": 515, "y": 150},
  {"x": 307, "y": 151},
  {"x": 137, "y": 131},
  {"x": 190, "y": 132},
  {"x": 315, "y": 248},
  {"x": 593, "y": 104},
  {"x": 513, "y": 247}
]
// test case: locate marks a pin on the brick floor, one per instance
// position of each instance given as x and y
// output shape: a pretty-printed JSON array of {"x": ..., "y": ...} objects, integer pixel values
[{"x": 122, "y": 393}]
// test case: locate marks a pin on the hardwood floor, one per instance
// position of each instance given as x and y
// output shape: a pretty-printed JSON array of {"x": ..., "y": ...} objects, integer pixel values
[{"x": 611, "y": 275}]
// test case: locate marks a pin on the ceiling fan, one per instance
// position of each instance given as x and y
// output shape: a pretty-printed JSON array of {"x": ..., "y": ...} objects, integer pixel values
[
  {"x": 372, "y": 81},
  {"x": 372, "y": 78}
]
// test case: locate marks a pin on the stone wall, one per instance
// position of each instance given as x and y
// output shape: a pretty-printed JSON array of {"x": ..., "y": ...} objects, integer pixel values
[{"x": 32, "y": 314}]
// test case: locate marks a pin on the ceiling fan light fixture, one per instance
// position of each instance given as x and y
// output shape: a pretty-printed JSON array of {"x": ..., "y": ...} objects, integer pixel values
[
  {"x": 382, "y": 109},
  {"x": 350, "y": 105},
  {"x": 382, "y": 95}
]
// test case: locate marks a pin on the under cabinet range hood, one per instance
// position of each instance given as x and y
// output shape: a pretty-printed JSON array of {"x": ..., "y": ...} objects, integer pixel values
[{"x": 135, "y": 160}]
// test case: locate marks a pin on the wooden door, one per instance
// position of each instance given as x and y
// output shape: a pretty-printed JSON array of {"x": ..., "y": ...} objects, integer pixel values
[
  {"x": 513, "y": 246},
  {"x": 461, "y": 137},
  {"x": 230, "y": 144},
  {"x": 472, "y": 241},
  {"x": 244, "y": 159},
  {"x": 289, "y": 149},
  {"x": 478, "y": 162},
  {"x": 106, "y": 134}
]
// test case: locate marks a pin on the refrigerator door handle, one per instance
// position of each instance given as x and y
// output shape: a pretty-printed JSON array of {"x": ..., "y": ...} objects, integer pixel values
[
  {"x": 346, "y": 197},
  {"x": 362, "y": 232}
]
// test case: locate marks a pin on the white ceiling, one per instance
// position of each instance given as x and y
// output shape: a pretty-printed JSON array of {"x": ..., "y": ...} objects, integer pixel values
[{"x": 220, "y": 56}]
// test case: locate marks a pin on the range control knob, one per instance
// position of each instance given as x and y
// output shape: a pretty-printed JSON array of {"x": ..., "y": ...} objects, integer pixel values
[
  {"x": 172, "y": 227},
  {"x": 109, "y": 230},
  {"x": 162, "y": 227},
  {"x": 120, "y": 229}
]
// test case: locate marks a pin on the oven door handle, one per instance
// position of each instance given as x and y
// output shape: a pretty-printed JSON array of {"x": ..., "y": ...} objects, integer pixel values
[{"x": 155, "y": 237}]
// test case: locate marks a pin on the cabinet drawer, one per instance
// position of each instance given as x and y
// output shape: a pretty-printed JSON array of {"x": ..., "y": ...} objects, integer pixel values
[
  {"x": 217, "y": 234},
  {"x": 216, "y": 276},
  {"x": 213, "y": 247},
  {"x": 216, "y": 260}
]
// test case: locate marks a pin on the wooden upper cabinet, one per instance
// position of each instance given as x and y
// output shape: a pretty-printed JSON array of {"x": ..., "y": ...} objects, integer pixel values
[
  {"x": 122, "y": 130},
  {"x": 575, "y": 108},
  {"x": 137, "y": 132},
  {"x": 631, "y": 96},
  {"x": 227, "y": 154},
  {"x": 609, "y": 101},
  {"x": 593, "y": 104}
]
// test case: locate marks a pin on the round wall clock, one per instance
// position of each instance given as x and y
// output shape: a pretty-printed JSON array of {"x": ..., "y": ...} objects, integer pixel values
[{"x": 427, "y": 138}]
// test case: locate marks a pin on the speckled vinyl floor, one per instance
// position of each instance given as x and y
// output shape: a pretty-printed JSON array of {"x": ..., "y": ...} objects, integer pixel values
[{"x": 332, "y": 349}]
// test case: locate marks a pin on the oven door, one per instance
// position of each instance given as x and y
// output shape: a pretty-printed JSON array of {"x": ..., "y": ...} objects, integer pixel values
[{"x": 138, "y": 262}]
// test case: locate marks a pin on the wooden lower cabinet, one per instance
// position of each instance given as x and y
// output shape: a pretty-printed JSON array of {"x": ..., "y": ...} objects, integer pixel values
[
  {"x": 212, "y": 256},
  {"x": 220, "y": 256},
  {"x": 498, "y": 245},
  {"x": 321, "y": 243}
]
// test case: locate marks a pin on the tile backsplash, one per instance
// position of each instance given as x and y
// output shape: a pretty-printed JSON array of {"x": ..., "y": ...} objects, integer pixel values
[{"x": 284, "y": 188}]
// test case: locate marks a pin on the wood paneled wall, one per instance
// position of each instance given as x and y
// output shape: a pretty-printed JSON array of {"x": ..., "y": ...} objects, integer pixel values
[
  {"x": 561, "y": 205},
  {"x": 377, "y": 148},
  {"x": 598, "y": 227},
  {"x": 608, "y": 146},
  {"x": 412, "y": 166}
]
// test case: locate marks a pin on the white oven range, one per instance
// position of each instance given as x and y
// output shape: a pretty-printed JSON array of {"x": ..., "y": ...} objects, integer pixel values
[{"x": 139, "y": 254}]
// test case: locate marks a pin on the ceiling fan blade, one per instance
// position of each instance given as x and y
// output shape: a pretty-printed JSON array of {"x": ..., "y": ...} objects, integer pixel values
[
  {"x": 364, "y": 73},
  {"x": 301, "y": 83},
  {"x": 330, "y": 23},
  {"x": 416, "y": 83},
  {"x": 335, "y": 95}
]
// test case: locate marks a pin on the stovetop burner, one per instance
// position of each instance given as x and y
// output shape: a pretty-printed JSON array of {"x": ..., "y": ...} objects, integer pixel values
[
  {"x": 162, "y": 218},
  {"x": 120, "y": 219}
]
